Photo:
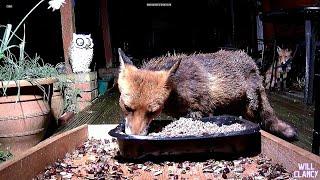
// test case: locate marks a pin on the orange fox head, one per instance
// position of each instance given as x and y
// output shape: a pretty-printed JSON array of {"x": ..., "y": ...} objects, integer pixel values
[
  {"x": 143, "y": 94},
  {"x": 284, "y": 55}
]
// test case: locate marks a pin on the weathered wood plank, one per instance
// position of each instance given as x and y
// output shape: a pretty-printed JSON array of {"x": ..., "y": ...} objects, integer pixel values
[
  {"x": 67, "y": 28},
  {"x": 87, "y": 116},
  {"x": 286, "y": 153},
  {"x": 34, "y": 160},
  {"x": 104, "y": 20}
]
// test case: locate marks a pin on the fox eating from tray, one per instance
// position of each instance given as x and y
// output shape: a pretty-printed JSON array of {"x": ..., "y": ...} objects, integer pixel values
[{"x": 197, "y": 85}]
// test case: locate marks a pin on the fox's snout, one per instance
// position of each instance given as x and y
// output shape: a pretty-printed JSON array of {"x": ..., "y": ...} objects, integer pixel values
[{"x": 136, "y": 129}]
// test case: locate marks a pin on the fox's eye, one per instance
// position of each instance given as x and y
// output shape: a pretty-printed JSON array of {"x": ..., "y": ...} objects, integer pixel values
[
  {"x": 150, "y": 113},
  {"x": 153, "y": 113},
  {"x": 128, "y": 108}
]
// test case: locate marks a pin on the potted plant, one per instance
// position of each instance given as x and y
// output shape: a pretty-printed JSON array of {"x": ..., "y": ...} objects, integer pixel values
[{"x": 25, "y": 90}]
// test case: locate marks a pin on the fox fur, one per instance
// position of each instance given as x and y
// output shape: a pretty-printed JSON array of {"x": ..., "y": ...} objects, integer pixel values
[{"x": 225, "y": 82}]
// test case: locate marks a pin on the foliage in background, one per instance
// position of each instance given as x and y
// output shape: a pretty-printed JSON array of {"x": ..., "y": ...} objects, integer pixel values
[
  {"x": 23, "y": 66},
  {"x": 70, "y": 94},
  {"x": 70, "y": 99},
  {"x": 15, "y": 63},
  {"x": 8, "y": 34},
  {"x": 5, "y": 155},
  {"x": 28, "y": 68},
  {"x": 19, "y": 65},
  {"x": 5, "y": 40}
]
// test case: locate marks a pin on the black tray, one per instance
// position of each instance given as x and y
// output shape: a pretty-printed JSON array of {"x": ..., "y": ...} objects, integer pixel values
[{"x": 237, "y": 143}]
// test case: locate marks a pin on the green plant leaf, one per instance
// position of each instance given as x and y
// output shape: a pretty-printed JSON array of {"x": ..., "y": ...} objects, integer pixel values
[
  {"x": 5, "y": 155},
  {"x": 5, "y": 39},
  {"x": 22, "y": 45}
]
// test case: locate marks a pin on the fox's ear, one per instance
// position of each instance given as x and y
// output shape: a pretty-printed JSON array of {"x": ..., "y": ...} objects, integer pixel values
[
  {"x": 174, "y": 68},
  {"x": 279, "y": 49},
  {"x": 171, "y": 72},
  {"x": 123, "y": 59}
]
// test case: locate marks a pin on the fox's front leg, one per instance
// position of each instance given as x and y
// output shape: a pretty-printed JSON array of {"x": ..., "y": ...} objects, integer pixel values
[{"x": 195, "y": 115}]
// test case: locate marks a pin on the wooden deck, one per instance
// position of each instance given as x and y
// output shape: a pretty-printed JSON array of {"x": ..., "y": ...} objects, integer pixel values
[
  {"x": 106, "y": 111},
  {"x": 296, "y": 113}
]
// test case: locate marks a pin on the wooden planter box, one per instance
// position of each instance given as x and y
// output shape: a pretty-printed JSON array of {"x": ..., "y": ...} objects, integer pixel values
[{"x": 33, "y": 161}]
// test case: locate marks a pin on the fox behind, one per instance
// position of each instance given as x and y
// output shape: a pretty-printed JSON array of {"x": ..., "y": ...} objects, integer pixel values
[
  {"x": 225, "y": 82},
  {"x": 273, "y": 74}
]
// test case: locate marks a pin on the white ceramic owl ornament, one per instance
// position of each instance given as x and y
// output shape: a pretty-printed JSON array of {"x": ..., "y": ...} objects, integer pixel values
[{"x": 81, "y": 53}]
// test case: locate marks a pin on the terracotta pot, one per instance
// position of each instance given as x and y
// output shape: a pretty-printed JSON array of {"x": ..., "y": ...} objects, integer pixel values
[
  {"x": 57, "y": 104},
  {"x": 24, "y": 119}
]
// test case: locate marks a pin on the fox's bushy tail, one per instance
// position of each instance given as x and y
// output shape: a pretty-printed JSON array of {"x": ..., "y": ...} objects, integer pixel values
[{"x": 272, "y": 123}]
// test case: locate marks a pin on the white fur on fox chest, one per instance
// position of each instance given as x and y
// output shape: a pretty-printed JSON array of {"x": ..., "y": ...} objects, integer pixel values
[{"x": 81, "y": 53}]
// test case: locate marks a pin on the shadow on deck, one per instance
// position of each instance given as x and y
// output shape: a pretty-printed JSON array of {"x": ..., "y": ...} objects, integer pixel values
[{"x": 106, "y": 110}]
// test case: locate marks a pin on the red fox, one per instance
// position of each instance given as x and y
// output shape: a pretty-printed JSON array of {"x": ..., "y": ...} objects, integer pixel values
[
  {"x": 274, "y": 72},
  {"x": 225, "y": 82}
]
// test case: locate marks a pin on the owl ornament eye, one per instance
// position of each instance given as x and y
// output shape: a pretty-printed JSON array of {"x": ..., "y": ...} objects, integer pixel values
[
  {"x": 79, "y": 42},
  {"x": 89, "y": 43}
]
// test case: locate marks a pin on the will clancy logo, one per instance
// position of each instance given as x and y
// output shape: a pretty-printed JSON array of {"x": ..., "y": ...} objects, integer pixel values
[{"x": 306, "y": 170}]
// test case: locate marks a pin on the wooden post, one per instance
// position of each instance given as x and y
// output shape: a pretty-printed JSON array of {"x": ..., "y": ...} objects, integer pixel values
[
  {"x": 67, "y": 28},
  {"x": 105, "y": 32},
  {"x": 310, "y": 56},
  {"x": 316, "y": 119}
]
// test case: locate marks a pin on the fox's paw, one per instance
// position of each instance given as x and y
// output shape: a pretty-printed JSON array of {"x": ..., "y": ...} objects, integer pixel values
[{"x": 194, "y": 115}]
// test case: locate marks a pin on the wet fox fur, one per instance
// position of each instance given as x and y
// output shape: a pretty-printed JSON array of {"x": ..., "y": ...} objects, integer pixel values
[{"x": 225, "y": 82}]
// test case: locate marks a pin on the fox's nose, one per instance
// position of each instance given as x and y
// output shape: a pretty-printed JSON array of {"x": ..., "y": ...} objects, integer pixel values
[{"x": 132, "y": 128}]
